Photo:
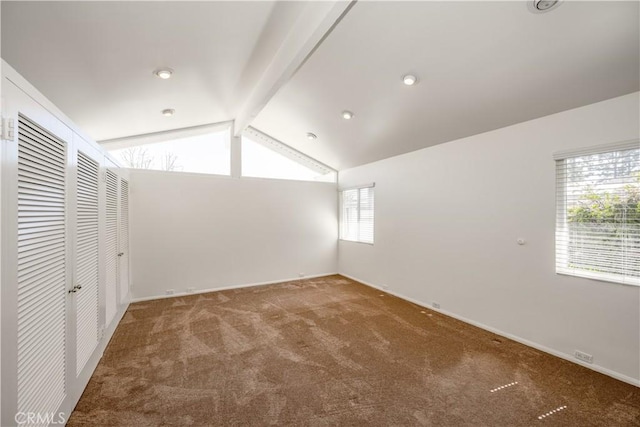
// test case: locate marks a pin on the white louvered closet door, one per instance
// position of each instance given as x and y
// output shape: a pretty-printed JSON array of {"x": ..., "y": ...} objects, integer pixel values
[
  {"x": 86, "y": 279},
  {"x": 42, "y": 287},
  {"x": 123, "y": 266},
  {"x": 111, "y": 247}
]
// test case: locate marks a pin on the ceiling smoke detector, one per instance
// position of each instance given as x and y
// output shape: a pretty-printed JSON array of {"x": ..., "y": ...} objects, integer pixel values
[
  {"x": 311, "y": 136},
  {"x": 168, "y": 112},
  {"x": 539, "y": 6}
]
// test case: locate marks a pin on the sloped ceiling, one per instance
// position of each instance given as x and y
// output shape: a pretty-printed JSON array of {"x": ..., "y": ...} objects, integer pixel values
[
  {"x": 481, "y": 66},
  {"x": 95, "y": 60}
]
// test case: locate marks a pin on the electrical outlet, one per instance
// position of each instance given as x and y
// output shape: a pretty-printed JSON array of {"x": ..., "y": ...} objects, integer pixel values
[
  {"x": 435, "y": 304},
  {"x": 171, "y": 291},
  {"x": 583, "y": 356},
  {"x": 191, "y": 290}
]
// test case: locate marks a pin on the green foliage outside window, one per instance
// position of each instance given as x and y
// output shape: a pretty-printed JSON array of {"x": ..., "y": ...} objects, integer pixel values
[{"x": 606, "y": 208}]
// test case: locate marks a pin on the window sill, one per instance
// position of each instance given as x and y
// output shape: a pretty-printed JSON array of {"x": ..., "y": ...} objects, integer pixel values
[
  {"x": 356, "y": 241},
  {"x": 601, "y": 277}
]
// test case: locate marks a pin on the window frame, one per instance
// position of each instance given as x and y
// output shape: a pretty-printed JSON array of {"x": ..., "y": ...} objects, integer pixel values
[
  {"x": 324, "y": 173},
  {"x": 141, "y": 141},
  {"x": 341, "y": 214},
  {"x": 562, "y": 234}
]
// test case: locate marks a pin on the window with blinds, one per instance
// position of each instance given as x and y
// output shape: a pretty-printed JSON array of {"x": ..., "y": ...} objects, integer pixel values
[
  {"x": 598, "y": 213},
  {"x": 357, "y": 214}
]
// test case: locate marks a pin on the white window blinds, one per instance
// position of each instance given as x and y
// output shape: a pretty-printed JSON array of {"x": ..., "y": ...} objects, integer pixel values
[
  {"x": 357, "y": 214},
  {"x": 598, "y": 214}
]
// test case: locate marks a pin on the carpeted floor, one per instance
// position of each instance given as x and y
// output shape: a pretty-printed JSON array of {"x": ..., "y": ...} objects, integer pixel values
[{"x": 328, "y": 352}]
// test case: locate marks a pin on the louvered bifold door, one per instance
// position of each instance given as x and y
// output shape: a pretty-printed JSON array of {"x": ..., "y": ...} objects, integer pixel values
[
  {"x": 86, "y": 279},
  {"x": 124, "y": 240},
  {"x": 41, "y": 269},
  {"x": 111, "y": 247}
]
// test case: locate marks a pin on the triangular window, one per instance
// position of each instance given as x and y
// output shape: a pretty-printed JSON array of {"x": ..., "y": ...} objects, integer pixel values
[{"x": 265, "y": 157}]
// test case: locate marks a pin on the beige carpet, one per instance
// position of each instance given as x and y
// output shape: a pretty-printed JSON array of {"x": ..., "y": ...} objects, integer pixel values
[{"x": 330, "y": 351}]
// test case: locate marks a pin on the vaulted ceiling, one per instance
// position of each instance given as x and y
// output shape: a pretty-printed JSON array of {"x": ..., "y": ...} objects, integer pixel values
[
  {"x": 95, "y": 60},
  {"x": 288, "y": 68}
]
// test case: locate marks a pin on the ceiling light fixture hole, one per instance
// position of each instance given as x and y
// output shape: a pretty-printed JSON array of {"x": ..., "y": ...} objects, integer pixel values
[
  {"x": 163, "y": 73},
  {"x": 347, "y": 115},
  {"x": 409, "y": 80}
]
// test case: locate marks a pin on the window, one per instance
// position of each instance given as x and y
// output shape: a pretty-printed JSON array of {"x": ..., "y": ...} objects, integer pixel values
[
  {"x": 356, "y": 214},
  {"x": 598, "y": 214},
  {"x": 208, "y": 153},
  {"x": 265, "y": 157}
]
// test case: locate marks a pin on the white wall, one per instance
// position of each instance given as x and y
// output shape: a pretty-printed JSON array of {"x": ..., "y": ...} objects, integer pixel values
[
  {"x": 447, "y": 220},
  {"x": 1, "y": 162},
  {"x": 209, "y": 232}
]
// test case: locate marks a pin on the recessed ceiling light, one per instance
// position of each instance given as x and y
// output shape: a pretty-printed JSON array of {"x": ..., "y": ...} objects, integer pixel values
[
  {"x": 163, "y": 73},
  {"x": 168, "y": 112},
  {"x": 538, "y": 6},
  {"x": 347, "y": 115},
  {"x": 311, "y": 136},
  {"x": 409, "y": 79}
]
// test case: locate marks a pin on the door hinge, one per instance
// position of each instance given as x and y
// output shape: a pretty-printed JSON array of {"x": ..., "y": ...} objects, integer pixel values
[{"x": 7, "y": 129}]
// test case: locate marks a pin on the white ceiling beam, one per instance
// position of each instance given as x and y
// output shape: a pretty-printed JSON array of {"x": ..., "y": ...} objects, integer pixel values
[
  {"x": 164, "y": 135},
  {"x": 314, "y": 23}
]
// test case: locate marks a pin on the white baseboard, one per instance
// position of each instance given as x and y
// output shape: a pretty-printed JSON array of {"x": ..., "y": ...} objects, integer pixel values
[
  {"x": 226, "y": 288},
  {"x": 565, "y": 356}
]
